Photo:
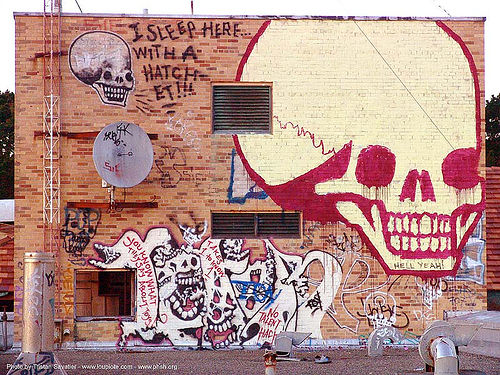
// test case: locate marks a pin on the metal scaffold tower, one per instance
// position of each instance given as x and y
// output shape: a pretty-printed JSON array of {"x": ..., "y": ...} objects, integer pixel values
[{"x": 51, "y": 123}]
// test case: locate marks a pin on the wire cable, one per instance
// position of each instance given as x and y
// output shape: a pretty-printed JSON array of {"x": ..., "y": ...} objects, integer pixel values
[
  {"x": 403, "y": 84},
  {"x": 76, "y": 1},
  {"x": 341, "y": 3}
]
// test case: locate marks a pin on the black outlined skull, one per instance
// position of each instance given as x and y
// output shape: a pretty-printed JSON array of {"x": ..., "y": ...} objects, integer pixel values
[
  {"x": 102, "y": 60},
  {"x": 385, "y": 139},
  {"x": 235, "y": 256},
  {"x": 179, "y": 277},
  {"x": 220, "y": 328}
]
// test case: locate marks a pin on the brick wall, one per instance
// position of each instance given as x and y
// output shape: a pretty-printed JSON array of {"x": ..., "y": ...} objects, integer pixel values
[
  {"x": 493, "y": 273},
  {"x": 328, "y": 81}
]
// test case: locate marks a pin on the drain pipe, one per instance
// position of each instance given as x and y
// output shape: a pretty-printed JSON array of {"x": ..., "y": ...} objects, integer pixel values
[{"x": 445, "y": 356}]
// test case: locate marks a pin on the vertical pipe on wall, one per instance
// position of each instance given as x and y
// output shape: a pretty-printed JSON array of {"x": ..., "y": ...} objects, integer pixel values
[{"x": 38, "y": 304}]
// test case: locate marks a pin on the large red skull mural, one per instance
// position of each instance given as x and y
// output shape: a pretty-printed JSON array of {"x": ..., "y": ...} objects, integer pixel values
[{"x": 390, "y": 145}]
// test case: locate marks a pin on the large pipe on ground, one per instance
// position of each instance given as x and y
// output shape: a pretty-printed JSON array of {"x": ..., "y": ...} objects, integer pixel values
[{"x": 445, "y": 356}]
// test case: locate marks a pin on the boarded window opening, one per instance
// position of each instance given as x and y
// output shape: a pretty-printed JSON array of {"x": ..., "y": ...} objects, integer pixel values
[
  {"x": 104, "y": 293},
  {"x": 241, "y": 108},
  {"x": 256, "y": 225}
]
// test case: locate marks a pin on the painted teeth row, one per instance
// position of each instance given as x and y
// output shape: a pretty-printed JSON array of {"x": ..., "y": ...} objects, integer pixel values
[
  {"x": 220, "y": 327},
  {"x": 419, "y": 224},
  {"x": 187, "y": 280},
  {"x": 108, "y": 89},
  {"x": 407, "y": 243}
]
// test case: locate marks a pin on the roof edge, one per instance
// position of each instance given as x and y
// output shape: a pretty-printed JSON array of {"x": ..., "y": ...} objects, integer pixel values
[{"x": 275, "y": 17}]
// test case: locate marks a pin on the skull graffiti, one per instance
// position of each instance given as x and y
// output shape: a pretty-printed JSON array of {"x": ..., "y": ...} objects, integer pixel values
[
  {"x": 234, "y": 255},
  {"x": 220, "y": 329},
  {"x": 389, "y": 146},
  {"x": 102, "y": 60},
  {"x": 180, "y": 282}
]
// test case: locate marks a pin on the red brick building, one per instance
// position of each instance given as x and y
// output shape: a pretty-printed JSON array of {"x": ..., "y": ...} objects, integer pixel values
[{"x": 314, "y": 175}]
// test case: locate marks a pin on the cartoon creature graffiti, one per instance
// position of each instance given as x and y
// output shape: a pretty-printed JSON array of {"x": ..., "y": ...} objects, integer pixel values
[
  {"x": 207, "y": 292},
  {"x": 102, "y": 60},
  {"x": 365, "y": 164},
  {"x": 170, "y": 295}
]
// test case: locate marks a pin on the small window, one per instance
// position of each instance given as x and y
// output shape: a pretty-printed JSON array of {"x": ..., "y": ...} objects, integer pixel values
[
  {"x": 255, "y": 225},
  {"x": 101, "y": 294},
  {"x": 241, "y": 108}
]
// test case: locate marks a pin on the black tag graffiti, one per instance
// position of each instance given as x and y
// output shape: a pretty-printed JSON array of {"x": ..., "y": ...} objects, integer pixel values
[
  {"x": 50, "y": 278},
  {"x": 315, "y": 303},
  {"x": 80, "y": 226}
]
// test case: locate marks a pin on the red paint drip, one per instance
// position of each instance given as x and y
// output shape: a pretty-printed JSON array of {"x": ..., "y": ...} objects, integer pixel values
[
  {"x": 376, "y": 166},
  {"x": 460, "y": 168},
  {"x": 301, "y": 132}
]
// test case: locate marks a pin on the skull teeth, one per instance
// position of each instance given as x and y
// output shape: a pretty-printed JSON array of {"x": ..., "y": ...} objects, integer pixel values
[
  {"x": 115, "y": 94},
  {"x": 419, "y": 232}
]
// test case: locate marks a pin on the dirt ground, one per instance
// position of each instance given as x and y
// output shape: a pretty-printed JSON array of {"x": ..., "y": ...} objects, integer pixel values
[{"x": 247, "y": 362}]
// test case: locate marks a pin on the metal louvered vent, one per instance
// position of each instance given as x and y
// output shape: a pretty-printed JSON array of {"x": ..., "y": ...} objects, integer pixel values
[
  {"x": 241, "y": 108},
  {"x": 233, "y": 225},
  {"x": 278, "y": 224},
  {"x": 255, "y": 225}
]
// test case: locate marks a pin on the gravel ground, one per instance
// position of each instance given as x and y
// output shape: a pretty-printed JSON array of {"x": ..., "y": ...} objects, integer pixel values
[{"x": 250, "y": 362}]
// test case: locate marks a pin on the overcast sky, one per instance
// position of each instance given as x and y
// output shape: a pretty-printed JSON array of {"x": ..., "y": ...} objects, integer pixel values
[{"x": 430, "y": 8}]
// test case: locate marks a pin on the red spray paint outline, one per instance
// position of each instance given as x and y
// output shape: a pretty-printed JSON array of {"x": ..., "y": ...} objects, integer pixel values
[{"x": 299, "y": 193}]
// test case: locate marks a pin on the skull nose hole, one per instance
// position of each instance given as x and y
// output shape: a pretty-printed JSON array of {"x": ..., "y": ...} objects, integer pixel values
[
  {"x": 184, "y": 264},
  {"x": 410, "y": 186},
  {"x": 216, "y": 298}
]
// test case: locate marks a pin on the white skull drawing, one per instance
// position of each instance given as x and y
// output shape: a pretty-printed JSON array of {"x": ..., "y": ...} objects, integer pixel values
[
  {"x": 235, "y": 256},
  {"x": 221, "y": 330},
  {"x": 102, "y": 60},
  {"x": 180, "y": 280},
  {"x": 385, "y": 139}
]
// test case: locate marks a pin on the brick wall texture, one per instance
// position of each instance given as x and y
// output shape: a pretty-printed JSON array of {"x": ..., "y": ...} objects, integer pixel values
[
  {"x": 493, "y": 255},
  {"x": 375, "y": 139}
]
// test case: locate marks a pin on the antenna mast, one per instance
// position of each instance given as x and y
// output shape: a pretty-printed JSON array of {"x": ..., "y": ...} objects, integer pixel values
[{"x": 51, "y": 123}]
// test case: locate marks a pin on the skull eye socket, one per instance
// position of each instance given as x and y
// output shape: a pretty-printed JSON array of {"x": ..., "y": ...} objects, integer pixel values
[
  {"x": 229, "y": 300},
  {"x": 107, "y": 75},
  {"x": 129, "y": 77},
  {"x": 194, "y": 261},
  {"x": 375, "y": 167},
  {"x": 460, "y": 168},
  {"x": 216, "y": 298}
]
